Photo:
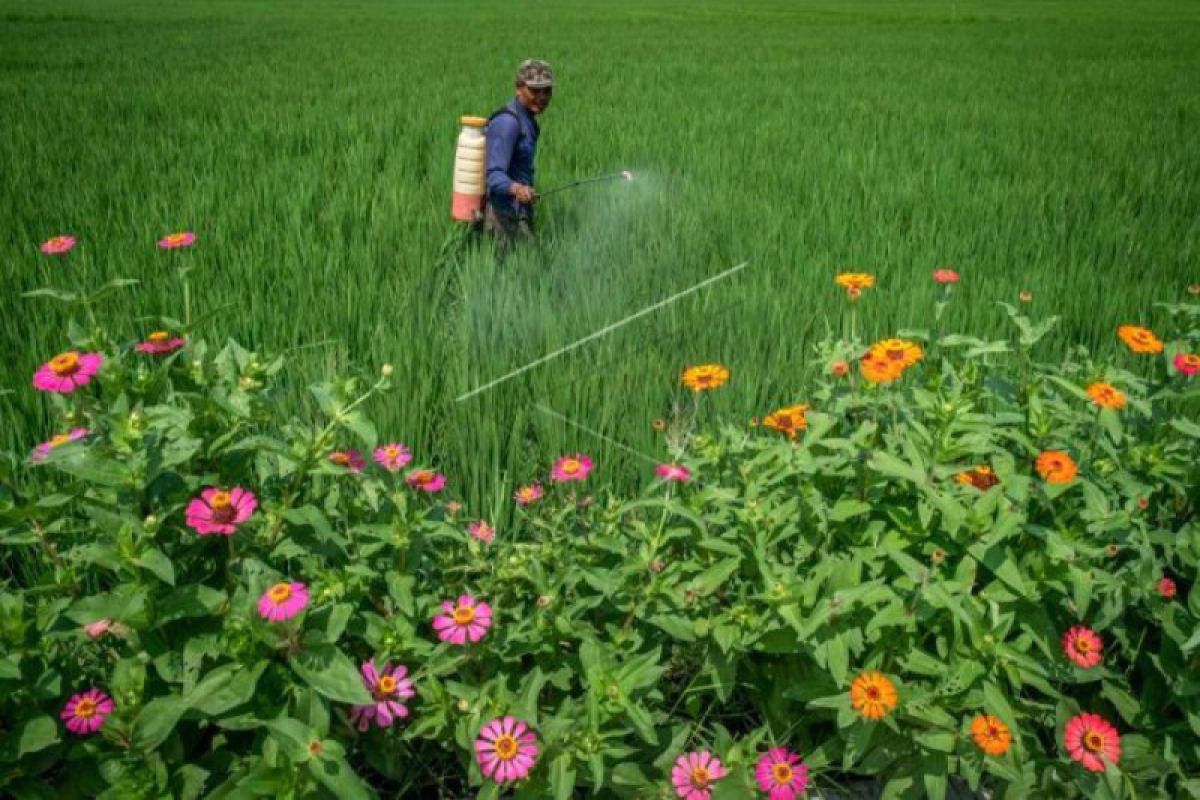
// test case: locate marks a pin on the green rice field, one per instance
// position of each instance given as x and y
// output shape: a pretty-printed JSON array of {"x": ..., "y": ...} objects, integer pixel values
[{"x": 1044, "y": 146}]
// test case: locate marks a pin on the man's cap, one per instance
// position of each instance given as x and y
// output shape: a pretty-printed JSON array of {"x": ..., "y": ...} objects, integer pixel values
[{"x": 535, "y": 73}]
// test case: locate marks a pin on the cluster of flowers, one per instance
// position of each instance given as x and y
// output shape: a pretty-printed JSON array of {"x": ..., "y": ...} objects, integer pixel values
[{"x": 60, "y": 245}]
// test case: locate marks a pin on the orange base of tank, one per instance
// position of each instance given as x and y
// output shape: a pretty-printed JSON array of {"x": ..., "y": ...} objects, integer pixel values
[{"x": 466, "y": 206}]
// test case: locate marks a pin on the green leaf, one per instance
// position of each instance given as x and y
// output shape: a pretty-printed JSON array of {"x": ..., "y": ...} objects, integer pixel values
[
  {"x": 942, "y": 741},
  {"x": 293, "y": 737},
  {"x": 562, "y": 777},
  {"x": 714, "y": 576},
  {"x": 196, "y": 600},
  {"x": 362, "y": 427},
  {"x": 330, "y": 672},
  {"x": 155, "y": 561},
  {"x": 676, "y": 626},
  {"x": 337, "y": 776},
  {"x": 838, "y": 658},
  {"x": 225, "y": 688},
  {"x": 156, "y": 721},
  {"x": 846, "y": 508},
  {"x": 29, "y": 736},
  {"x": 887, "y": 464}
]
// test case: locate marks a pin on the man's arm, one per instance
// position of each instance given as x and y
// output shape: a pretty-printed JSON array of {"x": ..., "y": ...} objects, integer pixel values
[{"x": 502, "y": 135}]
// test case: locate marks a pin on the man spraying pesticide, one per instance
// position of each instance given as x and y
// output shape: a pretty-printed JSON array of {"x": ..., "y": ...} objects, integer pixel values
[{"x": 494, "y": 166}]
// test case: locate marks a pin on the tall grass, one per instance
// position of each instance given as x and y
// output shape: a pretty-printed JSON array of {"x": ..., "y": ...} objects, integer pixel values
[{"x": 1043, "y": 146}]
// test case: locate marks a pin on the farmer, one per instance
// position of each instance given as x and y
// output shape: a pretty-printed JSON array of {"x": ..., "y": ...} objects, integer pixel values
[{"x": 512, "y": 136}]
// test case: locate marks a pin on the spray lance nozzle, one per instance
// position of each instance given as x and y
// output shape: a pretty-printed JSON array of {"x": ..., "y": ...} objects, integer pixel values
[{"x": 624, "y": 175}]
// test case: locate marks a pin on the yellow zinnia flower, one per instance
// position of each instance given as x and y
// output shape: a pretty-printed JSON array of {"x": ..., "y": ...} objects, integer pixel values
[
  {"x": 787, "y": 420},
  {"x": 855, "y": 280},
  {"x": 898, "y": 350},
  {"x": 704, "y": 377}
]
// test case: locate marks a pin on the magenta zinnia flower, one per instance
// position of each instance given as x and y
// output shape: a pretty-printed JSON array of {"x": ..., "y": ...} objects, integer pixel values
[
  {"x": 527, "y": 495},
  {"x": 174, "y": 240},
  {"x": 673, "y": 472},
  {"x": 350, "y": 459},
  {"x": 571, "y": 468},
  {"x": 67, "y": 371},
  {"x": 392, "y": 457},
  {"x": 482, "y": 531},
  {"x": 426, "y": 480},
  {"x": 160, "y": 343},
  {"x": 58, "y": 245},
  {"x": 1092, "y": 740},
  {"x": 781, "y": 775},
  {"x": 506, "y": 750},
  {"x": 220, "y": 510},
  {"x": 694, "y": 774},
  {"x": 43, "y": 450},
  {"x": 282, "y": 601},
  {"x": 85, "y": 713},
  {"x": 388, "y": 686},
  {"x": 1187, "y": 363},
  {"x": 466, "y": 619}
]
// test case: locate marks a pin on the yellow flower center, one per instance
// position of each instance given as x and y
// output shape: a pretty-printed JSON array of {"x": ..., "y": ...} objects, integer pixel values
[
  {"x": 392, "y": 452},
  {"x": 61, "y": 438},
  {"x": 1093, "y": 741},
  {"x": 783, "y": 774},
  {"x": 1083, "y": 645},
  {"x": 158, "y": 337},
  {"x": 464, "y": 614},
  {"x": 65, "y": 364},
  {"x": 701, "y": 777},
  {"x": 220, "y": 500},
  {"x": 279, "y": 593},
  {"x": 85, "y": 708},
  {"x": 176, "y": 238},
  {"x": 387, "y": 685},
  {"x": 222, "y": 506},
  {"x": 340, "y": 458},
  {"x": 571, "y": 466},
  {"x": 505, "y": 747}
]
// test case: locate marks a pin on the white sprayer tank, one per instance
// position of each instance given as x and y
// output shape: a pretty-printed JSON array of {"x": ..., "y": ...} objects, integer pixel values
[{"x": 470, "y": 168}]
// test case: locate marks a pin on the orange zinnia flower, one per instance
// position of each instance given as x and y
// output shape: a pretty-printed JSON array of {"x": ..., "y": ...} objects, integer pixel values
[
  {"x": 904, "y": 353},
  {"x": 855, "y": 280},
  {"x": 880, "y": 370},
  {"x": 873, "y": 695},
  {"x": 982, "y": 478},
  {"x": 992, "y": 735},
  {"x": 1140, "y": 340},
  {"x": 705, "y": 376},
  {"x": 788, "y": 420},
  {"x": 1106, "y": 396},
  {"x": 1056, "y": 467}
]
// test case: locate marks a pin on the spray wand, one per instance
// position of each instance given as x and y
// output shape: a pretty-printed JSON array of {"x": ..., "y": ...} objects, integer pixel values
[{"x": 623, "y": 175}]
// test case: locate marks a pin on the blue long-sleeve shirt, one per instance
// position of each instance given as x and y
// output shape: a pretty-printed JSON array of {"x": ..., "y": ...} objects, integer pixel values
[{"x": 511, "y": 148}]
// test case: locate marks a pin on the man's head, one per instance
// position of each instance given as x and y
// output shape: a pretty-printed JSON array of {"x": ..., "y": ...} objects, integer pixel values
[{"x": 535, "y": 85}]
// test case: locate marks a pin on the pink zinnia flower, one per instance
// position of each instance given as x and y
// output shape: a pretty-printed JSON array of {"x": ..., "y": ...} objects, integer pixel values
[
  {"x": 694, "y": 774},
  {"x": 392, "y": 457},
  {"x": 945, "y": 276},
  {"x": 571, "y": 468},
  {"x": 1083, "y": 646},
  {"x": 282, "y": 601},
  {"x": 220, "y": 510},
  {"x": 527, "y": 495},
  {"x": 1187, "y": 363},
  {"x": 160, "y": 343},
  {"x": 58, "y": 245},
  {"x": 388, "y": 687},
  {"x": 67, "y": 371},
  {"x": 781, "y": 775},
  {"x": 482, "y": 531},
  {"x": 426, "y": 480},
  {"x": 673, "y": 472},
  {"x": 350, "y": 459},
  {"x": 506, "y": 750},
  {"x": 43, "y": 450},
  {"x": 85, "y": 713},
  {"x": 466, "y": 619},
  {"x": 1166, "y": 588},
  {"x": 174, "y": 240},
  {"x": 1092, "y": 741},
  {"x": 98, "y": 628}
]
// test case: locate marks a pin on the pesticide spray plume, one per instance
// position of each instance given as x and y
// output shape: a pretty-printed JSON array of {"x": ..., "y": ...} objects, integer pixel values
[{"x": 624, "y": 175}]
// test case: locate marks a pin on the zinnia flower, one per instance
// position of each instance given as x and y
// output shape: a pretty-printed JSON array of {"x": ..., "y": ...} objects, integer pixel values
[
  {"x": 43, "y": 450},
  {"x": 85, "y": 713},
  {"x": 388, "y": 686},
  {"x": 1025, "y": 296},
  {"x": 1193, "y": 288},
  {"x": 705, "y": 377},
  {"x": 527, "y": 495},
  {"x": 1106, "y": 396},
  {"x": 352, "y": 460},
  {"x": 102, "y": 627},
  {"x": 426, "y": 480},
  {"x": 694, "y": 774},
  {"x": 1140, "y": 340},
  {"x": 467, "y": 619},
  {"x": 855, "y": 280},
  {"x": 1092, "y": 741},
  {"x": 1166, "y": 588},
  {"x": 904, "y": 353},
  {"x": 788, "y": 420},
  {"x": 67, "y": 371},
  {"x": 1187, "y": 363},
  {"x": 1083, "y": 646},
  {"x": 673, "y": 472},
  {"x": 879, "y": 369},
  {"x": 160, "y": 343},
  {"x": 1056, "y": 467},
  {"x": 571, "y": 468},
  {"x": 174, "y": 240},
  {"x": 945, "y": 276},
  {"x": 781, "y": 775},
  {"x": 839, "y": 369},
  {"x": 992, "y": 735},
  {"x": 482, "y": 531},
  {"x": 220, "y": 510},
  {"x": 506, "y": 750},
  {"x": 58, "y": 245},
  {"x": 981, "y": 477},
  {"x": 283, "y": 601},
  {"x": 873, "y": 695},
  {"x": 392, "y": 457}
]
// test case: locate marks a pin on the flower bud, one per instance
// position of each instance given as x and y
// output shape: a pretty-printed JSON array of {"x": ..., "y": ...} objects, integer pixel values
[
  {"x": 464, "y": 705},
  {"x": 387, "y": 370}
]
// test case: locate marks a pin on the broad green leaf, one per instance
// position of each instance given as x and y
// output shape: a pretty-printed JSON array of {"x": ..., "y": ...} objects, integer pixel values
[
  {"x": 838, "y": 658},
  {"x": 156, "y": 721},
  {"x": 562, "y": 777},
  {"x": 330, "y": 672},
  {"x": 336, "y": 775},
  {"x": 714, "y": 576},
  {"x": 154, "y": 560}
]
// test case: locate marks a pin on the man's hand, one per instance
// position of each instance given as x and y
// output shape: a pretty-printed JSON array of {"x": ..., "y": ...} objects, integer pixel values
[{"x": 524, "y": 194}]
